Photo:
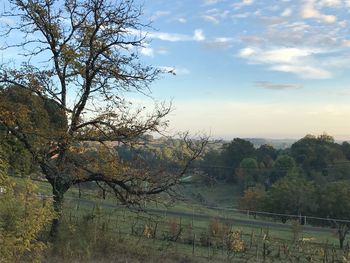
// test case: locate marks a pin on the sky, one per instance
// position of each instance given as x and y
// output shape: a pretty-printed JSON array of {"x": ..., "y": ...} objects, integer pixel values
[
  {"x": 251, "y": 68},
  {"x": 245, "y": 68}
]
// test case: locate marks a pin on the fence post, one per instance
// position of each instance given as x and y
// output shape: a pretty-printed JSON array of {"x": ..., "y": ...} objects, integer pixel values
[
  {"x": 223, "y": 244},
  {"x": 192, "y": 216},
  {"x": 325, "y": 258},
  {"x": 333, "y": 254},
  {"x": 264, "y": 252},
  {"x": 209, "y": 248},
  {"x": 193, "y": 243}
]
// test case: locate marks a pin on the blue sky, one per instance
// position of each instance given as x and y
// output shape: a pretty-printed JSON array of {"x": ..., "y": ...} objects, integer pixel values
[{"x": 252, "y": 68}]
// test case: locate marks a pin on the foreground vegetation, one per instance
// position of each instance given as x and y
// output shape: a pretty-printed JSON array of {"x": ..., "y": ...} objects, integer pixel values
[{"x": 94, "y": 230}]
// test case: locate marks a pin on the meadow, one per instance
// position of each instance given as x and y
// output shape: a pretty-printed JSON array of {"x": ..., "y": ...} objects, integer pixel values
[{"x": 93, "y": 229}]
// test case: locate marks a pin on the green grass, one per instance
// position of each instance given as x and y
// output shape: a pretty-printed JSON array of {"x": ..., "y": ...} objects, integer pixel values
[
  {"x": 124, "y": 215},
  {"x": 220, "y": 194},
  {"x": 121, "y": 220}
]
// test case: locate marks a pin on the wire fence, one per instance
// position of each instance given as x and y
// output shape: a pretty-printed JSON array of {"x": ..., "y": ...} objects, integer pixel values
[
  {"x": 303, "y": 219},
  {"x": 240, "y": 216},
  {"x": 208, "y": 238}
]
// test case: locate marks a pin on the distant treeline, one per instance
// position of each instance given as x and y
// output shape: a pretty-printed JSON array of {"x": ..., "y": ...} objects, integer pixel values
[
  {"x": 312, "y": 178},
  {"x": 317, "y": 158}
]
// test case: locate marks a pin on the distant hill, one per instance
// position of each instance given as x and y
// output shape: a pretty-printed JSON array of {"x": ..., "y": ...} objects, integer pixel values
[
  {"x": 276, "y": 143},
  {"x": 217, "y": 144}
]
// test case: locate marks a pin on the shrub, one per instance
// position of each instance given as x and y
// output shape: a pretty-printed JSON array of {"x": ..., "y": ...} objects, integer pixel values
[{"x": 23, "y": 216}]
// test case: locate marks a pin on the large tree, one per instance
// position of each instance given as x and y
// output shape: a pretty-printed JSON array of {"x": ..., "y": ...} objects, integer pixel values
[
  {"x": 82, "y": 59},
  {"x": 334, "y": 203},
  {"x": 316, "y": 154},
  {"x": 291, "y": 195},
  {"x": 233, "y": 153}
]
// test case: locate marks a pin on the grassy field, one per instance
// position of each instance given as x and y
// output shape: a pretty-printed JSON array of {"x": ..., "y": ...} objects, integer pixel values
[
  {"x": 222, "y": 194},
  {"x": 195, "y": 238},
  {"x": 186, "y": 227},
  {"x": 200, "y": 219}
]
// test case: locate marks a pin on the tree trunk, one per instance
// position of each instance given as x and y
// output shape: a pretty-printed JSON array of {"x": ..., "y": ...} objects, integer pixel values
[{"x": 58, "y": 197}]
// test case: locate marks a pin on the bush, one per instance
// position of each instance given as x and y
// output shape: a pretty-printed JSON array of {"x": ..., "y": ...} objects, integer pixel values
[{"x": 23, "y": 216}]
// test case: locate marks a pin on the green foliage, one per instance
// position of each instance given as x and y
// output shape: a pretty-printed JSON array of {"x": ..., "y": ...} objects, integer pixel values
[
  {"x": 222, "y": 165},
  {"x": 334, "y": 200},
  {"x": 319, "y": 158},
  {"x": 283, "y": 166},
  {"x": 292, "y": 195},
  {"x": 248, "y": 173},
  {"x": 167, "y": 155},
  {"x": 334, "y": 203},
  {"x": 94, "y": 239},
  {"x": 346, "y": 149},
  {"x": 315, "y": 154},
  {"x": 234, "y": 152},
  {"x": 266, "y": 155},
  {"x": 23, "y": 215},
  {"x": 40, "y": 119},
  {"x": 311, "y": 178},
  {"x": 212, "y": 165}
]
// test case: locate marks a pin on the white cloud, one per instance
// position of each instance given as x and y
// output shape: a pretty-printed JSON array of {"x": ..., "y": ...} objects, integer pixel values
[
  {"x": 220, "y": 42},
  {"x": 308, "y": 72},
  {"x": 256, "y": 13},
  {"x": 246, "y": 52},
  {"x": 285, "y": 55},
  {"x": 331, "y": 3},
  {"x": 272, "y": 20},
  {"x": 211, "y": 2},
  {"x": 287, "y": 12},
  {"x": 198, "y": 35},
  {"x": 242, "y": 4},
  {"x": 343, "y": 23},
  {"x": 210, "y": 19},
  {"x": 310, "y": 10},
  {"x": 162, "y": 50},
  {"x": 346, "y": 43},
  {"x": 277, "y": 86},
  {"x": 171, "y": 37},
  {"x": 147, "y": 51},
  {"x": 298, "y": 61},
  {"x": 314, "y": 47},
  {"x": 182, "y": 20},
  {"x": 329, "y": 18},
  {"x": 215, "y": 15},
  {"x": 277, "y": 55},
  {"x": 159, "y": 14}
]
